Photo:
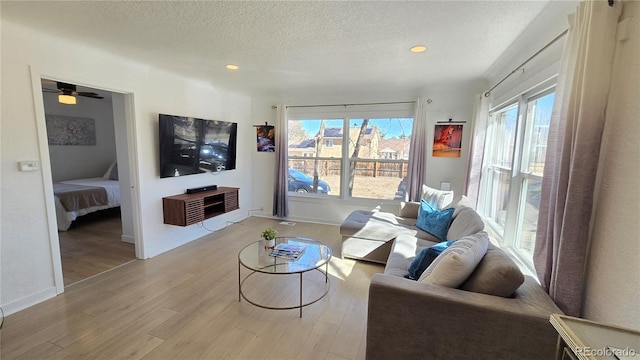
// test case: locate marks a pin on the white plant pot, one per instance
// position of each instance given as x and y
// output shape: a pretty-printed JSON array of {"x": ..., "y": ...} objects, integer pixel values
[{"x": 270, "y": 243}]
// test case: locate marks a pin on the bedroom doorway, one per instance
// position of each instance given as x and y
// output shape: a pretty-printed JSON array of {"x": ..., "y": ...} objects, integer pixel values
[{"x": 89, "y": 161}]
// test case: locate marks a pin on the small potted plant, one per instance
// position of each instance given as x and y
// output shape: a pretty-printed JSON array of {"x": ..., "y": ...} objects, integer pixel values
[{"x": 269, "y": 235}]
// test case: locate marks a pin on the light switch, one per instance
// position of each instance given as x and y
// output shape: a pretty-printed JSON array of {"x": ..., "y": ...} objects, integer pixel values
[
  {"x": 31, "y": 165},
  {"x": 445, "y": 185}
]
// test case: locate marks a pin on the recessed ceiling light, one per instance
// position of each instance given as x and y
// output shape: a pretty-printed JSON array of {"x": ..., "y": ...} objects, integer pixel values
[
  {"x": 232, "y": 67},
  {"x": 419, "y": 49}
]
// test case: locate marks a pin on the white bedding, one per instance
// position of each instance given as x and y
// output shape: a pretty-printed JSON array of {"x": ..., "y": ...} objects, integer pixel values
[{"x": 65, "y": 218}]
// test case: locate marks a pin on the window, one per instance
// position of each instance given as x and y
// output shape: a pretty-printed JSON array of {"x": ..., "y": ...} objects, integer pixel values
[
  {"x": 349, "y": 157},
  {"x": 313, "y": 166},
  {"x": 512, "y": 172},
  {"x": 502, "y": 127},
  {"x": 373, "y": 171}
]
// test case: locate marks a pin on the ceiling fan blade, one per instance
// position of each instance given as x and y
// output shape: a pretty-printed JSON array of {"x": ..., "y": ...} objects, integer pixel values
[
  {"x": 65, "y": 86},
  {"x": 90, "y": 94}
]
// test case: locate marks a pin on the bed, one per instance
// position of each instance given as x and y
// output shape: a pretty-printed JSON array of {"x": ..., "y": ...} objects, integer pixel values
[{"x": 79, "y": 197}]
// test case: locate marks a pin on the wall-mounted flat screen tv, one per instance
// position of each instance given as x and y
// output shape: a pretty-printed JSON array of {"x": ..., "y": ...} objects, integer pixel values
[{"x": 194, "y": 146}]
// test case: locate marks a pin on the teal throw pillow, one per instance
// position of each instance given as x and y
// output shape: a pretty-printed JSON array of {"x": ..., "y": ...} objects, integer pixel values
[
  {"x": 433, "y": 221},
  {"x": 424, "y": 258}
]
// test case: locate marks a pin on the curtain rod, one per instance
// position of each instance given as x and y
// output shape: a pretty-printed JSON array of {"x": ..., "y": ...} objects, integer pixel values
[
  {"x": 486, "y": 94},
  {"x": 429, "y": 101}
]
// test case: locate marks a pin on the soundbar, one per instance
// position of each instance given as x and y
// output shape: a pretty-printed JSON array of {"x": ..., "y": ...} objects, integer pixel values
[{"x": 201, "y": 189}]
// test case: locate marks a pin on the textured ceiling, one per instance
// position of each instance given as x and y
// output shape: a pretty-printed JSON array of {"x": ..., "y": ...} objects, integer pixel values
[{"x": 294, "y": 45}]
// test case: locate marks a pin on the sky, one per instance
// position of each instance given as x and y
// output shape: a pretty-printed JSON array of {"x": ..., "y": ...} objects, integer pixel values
[
  {"x": 391, "y": 127},
  {"x": 544, "y": 106}
]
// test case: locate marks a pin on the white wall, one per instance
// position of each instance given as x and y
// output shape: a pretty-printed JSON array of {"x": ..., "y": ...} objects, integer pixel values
[
  {"x": 453, "y": 100},
  {"x": 83, "y": 161},
  {"x": 27, "y": 271},
  {"x": 551, "y": 22},
  {"x": 613, "y": 268}
]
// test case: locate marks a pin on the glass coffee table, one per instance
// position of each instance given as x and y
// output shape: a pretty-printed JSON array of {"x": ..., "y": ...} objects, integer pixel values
[{"x": 255, "y": 258}]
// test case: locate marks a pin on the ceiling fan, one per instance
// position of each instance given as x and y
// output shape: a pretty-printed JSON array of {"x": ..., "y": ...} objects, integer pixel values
[{"x": 67, "y": 93}]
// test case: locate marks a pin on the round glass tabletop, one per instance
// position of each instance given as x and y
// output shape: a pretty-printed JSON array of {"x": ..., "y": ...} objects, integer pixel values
[{"x": 257, "y": 257}]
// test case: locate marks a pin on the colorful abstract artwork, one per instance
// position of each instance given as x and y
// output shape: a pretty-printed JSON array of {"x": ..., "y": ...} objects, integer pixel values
[
  {"x": 266, "y": 138},
  {"x": 447, "y": 140}
]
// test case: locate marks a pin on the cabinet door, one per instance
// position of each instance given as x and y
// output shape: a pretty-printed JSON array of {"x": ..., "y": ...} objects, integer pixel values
[
  {"x": 194, "y": 211},
  {"x": 231, "y": 201}
]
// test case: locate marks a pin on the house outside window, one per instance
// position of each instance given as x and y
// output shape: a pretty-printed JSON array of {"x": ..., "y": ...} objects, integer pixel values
[
  {"x": 513, "y": 166},
  {"x": 361, "y": 169}
]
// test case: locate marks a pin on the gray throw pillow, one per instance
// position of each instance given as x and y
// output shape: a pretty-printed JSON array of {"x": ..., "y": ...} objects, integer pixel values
[
  {"x": 495, "y": 275},
  {"x": 113, "y": 175}
]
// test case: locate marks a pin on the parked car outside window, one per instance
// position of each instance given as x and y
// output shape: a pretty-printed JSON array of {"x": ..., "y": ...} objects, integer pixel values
[{"x": 302, "y": 183}]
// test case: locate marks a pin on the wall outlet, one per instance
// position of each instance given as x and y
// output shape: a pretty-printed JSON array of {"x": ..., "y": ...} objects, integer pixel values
[{"x": 31, "y": 165}]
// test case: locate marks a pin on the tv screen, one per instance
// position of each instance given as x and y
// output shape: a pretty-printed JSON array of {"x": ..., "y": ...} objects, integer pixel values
[{"x": 193, "y": 146}]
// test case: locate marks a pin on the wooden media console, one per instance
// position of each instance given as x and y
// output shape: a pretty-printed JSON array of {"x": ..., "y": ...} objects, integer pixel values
[{"x": 188, "y": 209}]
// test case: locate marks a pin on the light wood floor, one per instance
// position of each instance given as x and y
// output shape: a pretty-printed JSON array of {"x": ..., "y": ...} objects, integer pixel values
[
  {"x": 93, "y": 245},
  {"x": 184, "y": 305}
]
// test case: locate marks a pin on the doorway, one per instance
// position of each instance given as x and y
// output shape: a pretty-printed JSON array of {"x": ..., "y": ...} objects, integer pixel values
[{"x": 88, "y": 155}]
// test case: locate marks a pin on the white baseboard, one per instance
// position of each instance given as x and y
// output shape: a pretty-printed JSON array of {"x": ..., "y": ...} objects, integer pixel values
[
  {"x": 128, "y": 239},
  {"x": 29, "y": 301}
]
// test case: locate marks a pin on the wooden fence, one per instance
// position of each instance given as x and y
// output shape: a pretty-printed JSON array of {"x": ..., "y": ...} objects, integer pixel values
[{"x": 365, "y": 168}]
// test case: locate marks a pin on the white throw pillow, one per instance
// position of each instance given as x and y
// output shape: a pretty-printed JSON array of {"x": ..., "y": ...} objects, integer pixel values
[
  {"x": 456, "y": 263},
  {"x": 438, "y": 199}
]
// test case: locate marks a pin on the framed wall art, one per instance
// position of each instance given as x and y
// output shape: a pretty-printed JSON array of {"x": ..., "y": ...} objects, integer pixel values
[
  {"x": 447, "y": 140},
  {"x": 70, "y": 130},
  {"x": 265, "y": 135}
]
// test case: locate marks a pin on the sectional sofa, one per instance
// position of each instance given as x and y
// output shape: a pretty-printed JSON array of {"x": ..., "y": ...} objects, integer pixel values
[{"x": 484, "y": 310}]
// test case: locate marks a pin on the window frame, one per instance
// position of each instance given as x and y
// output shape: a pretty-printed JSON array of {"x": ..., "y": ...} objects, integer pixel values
[
  {"x": 393, "y": 111},
  {"x": 509, "y": 235}
]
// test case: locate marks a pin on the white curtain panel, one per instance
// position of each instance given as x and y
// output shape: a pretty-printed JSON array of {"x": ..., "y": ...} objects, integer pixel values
[
  {"x": 280, "y": 195},
  {"x": 417, "y": 152},
  {"x": 572, "y": 154},
  {"x": 474, "y": 167}
]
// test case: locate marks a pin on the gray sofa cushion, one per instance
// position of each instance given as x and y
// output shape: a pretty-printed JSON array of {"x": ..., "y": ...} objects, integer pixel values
[
  {"x": 466, "y": 222},
  {"x": 409, "y": 209},
  {"x": 380, "y": 226},
  {"x": 374, "y": 225},
  {"x": 403, "y": 250},
  {"x": 496, "y": 275},
  {"x": 455, "y": 264},
  {"x": 459, "y": 203},
  {"x": 367, "y": 235},
  {"x": 366, "y": 249}
]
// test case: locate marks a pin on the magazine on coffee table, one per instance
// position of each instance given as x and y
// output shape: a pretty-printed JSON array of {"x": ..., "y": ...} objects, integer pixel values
[{"x": 287, "y": 251}]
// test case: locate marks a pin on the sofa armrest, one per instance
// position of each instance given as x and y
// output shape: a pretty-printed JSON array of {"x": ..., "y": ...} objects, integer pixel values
[
  {"x": 409, "y": 209},
  {"x": 412, "y": 320}
]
